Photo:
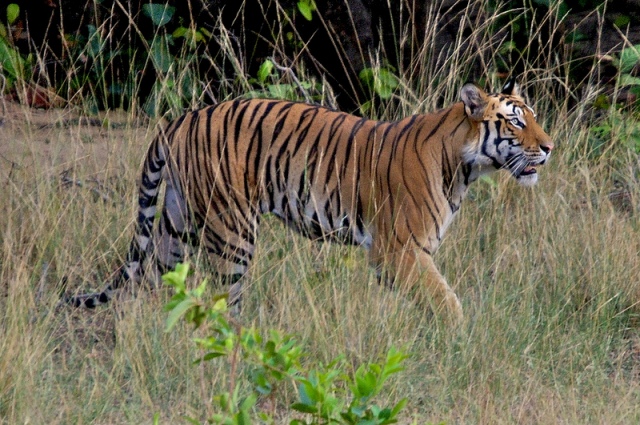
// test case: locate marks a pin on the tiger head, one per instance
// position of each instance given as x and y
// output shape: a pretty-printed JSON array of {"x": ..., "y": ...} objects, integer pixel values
[{"x": 508, "y": 135}]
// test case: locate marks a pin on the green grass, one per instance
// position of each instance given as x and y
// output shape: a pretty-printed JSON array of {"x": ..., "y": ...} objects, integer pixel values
[{"x": 548, "y": 278}]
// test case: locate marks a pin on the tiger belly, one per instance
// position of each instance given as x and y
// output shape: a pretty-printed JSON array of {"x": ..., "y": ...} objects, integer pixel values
[{"x": 319, "y": 219}]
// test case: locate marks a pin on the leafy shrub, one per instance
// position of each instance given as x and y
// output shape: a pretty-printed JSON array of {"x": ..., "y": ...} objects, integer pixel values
[
  {"x": 13, "y": 66},
  {"x": 326, "y": 394}
]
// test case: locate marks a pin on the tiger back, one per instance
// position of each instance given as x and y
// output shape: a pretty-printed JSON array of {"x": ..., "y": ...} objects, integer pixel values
[{"x": 392, "y": 188}]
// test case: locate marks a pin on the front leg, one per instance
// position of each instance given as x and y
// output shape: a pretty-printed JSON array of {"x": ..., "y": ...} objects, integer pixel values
[{"x": 415, "y": 271}]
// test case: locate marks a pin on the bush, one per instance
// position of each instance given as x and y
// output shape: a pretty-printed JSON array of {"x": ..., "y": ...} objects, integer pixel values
[{"x": 326, "y": 394}]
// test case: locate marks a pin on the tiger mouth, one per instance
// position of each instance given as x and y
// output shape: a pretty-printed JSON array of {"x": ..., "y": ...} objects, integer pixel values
[
  {"x": 529, "y": 170},
  {"x": 521, "y": 165},
  {"x": 524, "y": 169}
]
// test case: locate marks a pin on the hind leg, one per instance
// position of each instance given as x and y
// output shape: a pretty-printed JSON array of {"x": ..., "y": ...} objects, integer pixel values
[
  {"x": 172, "y": 237},
  {"x": 230, "y": 243}
]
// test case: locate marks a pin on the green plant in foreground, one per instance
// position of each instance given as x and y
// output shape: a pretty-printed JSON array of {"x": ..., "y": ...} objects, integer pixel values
[{"x": 326, "y": 394}]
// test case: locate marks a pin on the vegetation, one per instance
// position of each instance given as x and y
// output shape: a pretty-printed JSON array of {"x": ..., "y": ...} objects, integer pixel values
[
  {"x": 548, "y": 277},
  {"x": 326, "y": 395}
]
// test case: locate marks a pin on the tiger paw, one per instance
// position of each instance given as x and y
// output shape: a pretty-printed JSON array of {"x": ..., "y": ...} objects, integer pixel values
[{"x": 451, "y": 310}]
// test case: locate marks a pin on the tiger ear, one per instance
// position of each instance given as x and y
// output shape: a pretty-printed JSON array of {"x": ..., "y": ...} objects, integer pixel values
[
  {"x": 511, "y": 88},
  {"x": 475, "y": 101}
]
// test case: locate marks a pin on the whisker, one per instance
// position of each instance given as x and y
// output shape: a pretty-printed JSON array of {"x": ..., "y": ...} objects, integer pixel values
[
  {"x": 516, "y": 164},
  {"x": 513, "y": 161}
]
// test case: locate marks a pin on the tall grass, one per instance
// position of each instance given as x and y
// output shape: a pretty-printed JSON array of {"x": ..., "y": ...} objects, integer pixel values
[{"x": 548, "y": 278}]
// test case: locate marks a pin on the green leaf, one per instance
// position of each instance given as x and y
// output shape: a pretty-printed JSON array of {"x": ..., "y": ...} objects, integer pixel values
[
  {"x": 243, "y": 418},
  {"x": 621, "y": 21},
  {"x": 365, "y": 383},
  {"x": 199, "y": 291},
  {"x": 602, "y": 100},
  {"x": 11, "y": 61},
  {"x": 178, "y": 277},
  {"x": 175, "y": 300},
  {"x": 629, "y": 80},
  {"x": 265, "y": 70},
  {"x": 220, "y": 305},
  {"x": 281, "y": 91},
  {"x": 563, "y": 10},
  {"x": 249, "y": 402},
  {"x": 160, "y": 14},
  {"x": 94, "y": 44},
  {"x": 306, "y": 8},
  {"x": 13, "y": 10},
  {"x": 307, "y": 393},
  {"x": 386, "y": 83},
  {"x": 383, "y": 413},
  {"x": 304, "y": 408},
  {"x": 629, "y": 57},
  {"x": 399, "y": 406},
  {"x": 212, "y": 355},
  {"x": 381, "y": 80},
  {"x": 575, "y": 36},
  {"x": 179, "y": 311},
  {"x": 161, "y": 58},
  {"x": 366, "y": 76},
  {"x": 508, "y": 47},
  {"x": 179, "y": 32}
]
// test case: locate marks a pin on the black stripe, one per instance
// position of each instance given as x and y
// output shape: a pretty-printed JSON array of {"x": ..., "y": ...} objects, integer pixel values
[
  {"x": 357, "y": 126},
  {"x": 302, "y": 134},
  {"x": 438, "y": 125}
]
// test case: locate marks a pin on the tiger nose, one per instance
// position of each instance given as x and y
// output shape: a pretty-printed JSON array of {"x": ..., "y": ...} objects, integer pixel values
[{"x": 546, "y": 147}]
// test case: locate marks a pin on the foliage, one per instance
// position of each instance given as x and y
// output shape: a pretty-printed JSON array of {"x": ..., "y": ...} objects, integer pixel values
[
  {"x": 619, "y": 128},
  {"x": 619, "y": 131},
  {"x": 628, "y": 59},
  {"x": 306, "y": 8},
  {"x": 269, "y": 85},
  {"x": 13, "y": 66},
  {"x": 168, "y": 57},
  {"x": 628, "y": 64},
  {"x": 158, "y": 13},
  {"x": 326, "y": 394},
  {"x": 381, "y": 80}
]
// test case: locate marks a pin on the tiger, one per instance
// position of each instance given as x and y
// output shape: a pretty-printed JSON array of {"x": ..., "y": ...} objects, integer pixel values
[{"x": 391, "y": 187}]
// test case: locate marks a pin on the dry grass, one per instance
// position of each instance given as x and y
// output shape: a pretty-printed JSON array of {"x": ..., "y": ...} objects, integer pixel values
[{"x": 549, "y": 280}]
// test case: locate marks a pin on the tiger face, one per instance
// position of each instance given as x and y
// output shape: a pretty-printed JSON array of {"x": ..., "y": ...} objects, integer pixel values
[{"x": 510, "y": 138}]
